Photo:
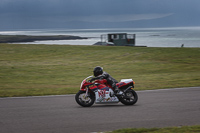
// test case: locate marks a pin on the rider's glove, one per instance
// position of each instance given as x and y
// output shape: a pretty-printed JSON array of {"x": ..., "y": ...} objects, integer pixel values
[
  {"x": 92, "y": 79},
  {"x": 99, "y": 77}
]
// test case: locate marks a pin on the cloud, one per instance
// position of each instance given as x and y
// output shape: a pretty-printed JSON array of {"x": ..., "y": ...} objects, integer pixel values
[
  {"x": 91, "y": 13},
  {"x": 119, "y": 18}
]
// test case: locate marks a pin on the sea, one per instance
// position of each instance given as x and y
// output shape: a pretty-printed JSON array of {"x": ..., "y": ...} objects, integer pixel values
[{"x": 150, "y": 37}]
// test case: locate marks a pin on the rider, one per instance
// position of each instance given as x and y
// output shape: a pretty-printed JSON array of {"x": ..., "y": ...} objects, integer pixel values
[{"x": 100, "y": 74}]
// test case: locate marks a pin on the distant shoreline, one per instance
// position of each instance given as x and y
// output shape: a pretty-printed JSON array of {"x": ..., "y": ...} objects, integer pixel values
[{"x": 29, "y": 38}]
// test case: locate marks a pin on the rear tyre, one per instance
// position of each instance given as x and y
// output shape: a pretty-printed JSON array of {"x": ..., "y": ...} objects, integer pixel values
[
  {"x": 130, "y": 97},
  {"x": 83, "y": 100}
]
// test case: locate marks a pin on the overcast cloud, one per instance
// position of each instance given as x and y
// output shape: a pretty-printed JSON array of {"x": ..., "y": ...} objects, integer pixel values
[{"x": 30, "y": 14}]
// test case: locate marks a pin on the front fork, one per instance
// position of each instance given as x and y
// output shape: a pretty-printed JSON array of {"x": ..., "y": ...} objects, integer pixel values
[{"x": 86, "y": 93}]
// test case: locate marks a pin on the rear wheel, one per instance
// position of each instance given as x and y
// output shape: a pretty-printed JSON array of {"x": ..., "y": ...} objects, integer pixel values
[
  {"x": 130, "y": 97},
  {"x": 83, "y": 100}
]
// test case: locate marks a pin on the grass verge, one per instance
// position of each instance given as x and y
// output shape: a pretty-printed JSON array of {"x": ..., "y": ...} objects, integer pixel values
[
  {"x": 183, "y": 129},
  {"x": 28, "y": 70}
]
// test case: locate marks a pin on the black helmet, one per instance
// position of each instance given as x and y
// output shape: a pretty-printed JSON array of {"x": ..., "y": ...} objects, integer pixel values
[{"x": 98, "y": 71}]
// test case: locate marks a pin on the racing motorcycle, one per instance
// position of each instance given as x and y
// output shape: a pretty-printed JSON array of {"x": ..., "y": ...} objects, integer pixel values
[{"x": 99, "y": 91}]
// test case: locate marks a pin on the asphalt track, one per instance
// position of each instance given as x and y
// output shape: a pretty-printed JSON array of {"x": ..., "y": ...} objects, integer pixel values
[{"x": 61, "y": 114}]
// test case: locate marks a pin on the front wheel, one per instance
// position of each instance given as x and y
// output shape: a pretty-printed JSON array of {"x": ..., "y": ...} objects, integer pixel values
[
  {"x": 130, "y": 97},
  {"x": 83, "y": 100}
]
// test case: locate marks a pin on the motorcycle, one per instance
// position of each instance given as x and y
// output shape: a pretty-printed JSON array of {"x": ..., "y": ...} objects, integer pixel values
[{"x": 99, "y": 91}]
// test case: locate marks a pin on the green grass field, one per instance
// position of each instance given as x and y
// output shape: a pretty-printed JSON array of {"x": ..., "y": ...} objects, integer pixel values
[
  {"x": 183, "y": 129},
  {"x": 28, "y": 70}
]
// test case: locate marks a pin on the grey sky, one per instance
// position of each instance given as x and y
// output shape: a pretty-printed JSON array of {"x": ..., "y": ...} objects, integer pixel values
[{"x": 30, "y": 14}]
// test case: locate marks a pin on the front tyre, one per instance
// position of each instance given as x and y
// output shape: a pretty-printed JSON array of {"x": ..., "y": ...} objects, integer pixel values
[
  {"x": 130, "y": 97},
  {"x": 83, "y": 100}
]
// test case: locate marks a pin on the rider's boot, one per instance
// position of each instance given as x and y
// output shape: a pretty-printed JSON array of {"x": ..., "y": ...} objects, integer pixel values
[{"x": 117, "y": 91}]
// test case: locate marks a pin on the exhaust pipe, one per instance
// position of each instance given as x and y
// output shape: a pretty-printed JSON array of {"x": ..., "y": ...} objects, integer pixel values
[{"x": 128, "y": 88}]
